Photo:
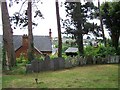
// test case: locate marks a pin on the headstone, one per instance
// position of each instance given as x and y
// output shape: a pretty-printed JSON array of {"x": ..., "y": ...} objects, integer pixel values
[
  {"x": 35, "y": 65},
  {"x": 68, "y": 63},
  {"x": 47, "y": 62},
  {"x": 28, "y": 68},
  {"x": 84, "y": 61},
  {"x": 56, "y": 63},
  {"x": 51, "y": 64},
  {"x": 61, "y": 63},
  {"x": 112, "y": 59},
  {"x": 108, "y": 59},
  {"x": 117, "y": 59},
  {"x": 89, "y": 59},
  {"x": 81, "y": 60},
  {"x": 94, "y": 60},
  {"x": 47, "y": 57},
  {"x": 99, "y": 60},
  {"x": 41, "y": 66}
]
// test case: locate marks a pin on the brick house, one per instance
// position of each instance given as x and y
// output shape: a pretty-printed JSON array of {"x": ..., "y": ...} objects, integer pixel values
[{"x": 42, "y": 45}]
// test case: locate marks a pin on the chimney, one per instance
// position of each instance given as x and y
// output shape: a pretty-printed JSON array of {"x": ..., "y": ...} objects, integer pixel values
[
  {"x": 50, "y": 34},
  {"x": 25, "y": 40}
]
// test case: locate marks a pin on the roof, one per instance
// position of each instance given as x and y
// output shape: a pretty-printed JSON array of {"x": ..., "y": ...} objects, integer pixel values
[
  {"x": 41, "y": 43},
  {"x": 71, "y": 49}
]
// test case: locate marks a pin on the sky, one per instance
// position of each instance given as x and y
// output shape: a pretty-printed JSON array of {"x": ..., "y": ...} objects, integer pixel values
[{"x": 49, "y": 22}]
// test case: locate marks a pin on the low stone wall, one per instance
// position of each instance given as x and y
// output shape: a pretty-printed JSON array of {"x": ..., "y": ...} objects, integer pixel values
[{"x": 61, "y": 63}]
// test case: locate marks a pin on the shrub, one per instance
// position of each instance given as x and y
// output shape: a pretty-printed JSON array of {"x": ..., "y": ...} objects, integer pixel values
[
  {"x": 99, "y": 51},
  {"x": 53, "y": 56},
  {"x": 64, "y": 56},
  {"x": 39, "y": 57}
]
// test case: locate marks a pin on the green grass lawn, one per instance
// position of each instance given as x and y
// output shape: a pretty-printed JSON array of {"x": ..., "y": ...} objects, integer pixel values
[{"x": 92, "y": 76}]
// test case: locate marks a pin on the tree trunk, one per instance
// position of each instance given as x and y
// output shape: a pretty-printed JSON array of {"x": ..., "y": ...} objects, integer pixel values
[
  {"x": 115, "y": 40},
  {"x": 30, "y": 34},
  {"x": 59, "y": 31},
  {"x": 79, "y": 33},
  {"x": 101, "y": 24},
  {"x": 8, "y": 36}
]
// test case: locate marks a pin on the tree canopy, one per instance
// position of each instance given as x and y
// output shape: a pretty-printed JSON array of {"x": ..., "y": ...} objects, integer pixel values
[
  {"x": 77, "y": 22},
  {"x": 111, "y": 18}
]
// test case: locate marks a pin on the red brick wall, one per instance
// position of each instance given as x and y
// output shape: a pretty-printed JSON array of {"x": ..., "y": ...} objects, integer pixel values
[{"x": 23, "y": 50}]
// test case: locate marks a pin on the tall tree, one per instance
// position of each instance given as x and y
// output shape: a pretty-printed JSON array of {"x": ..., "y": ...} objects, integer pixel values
[
  {"x": 23, "y": 19},
  {"x": 59, "y": 30},
  {"x": 7, "y": 36},
  {"x": 101, "y": 24},
  {"x": 111, "y": 18},
  {"x": 77, "y": 21},
  {"x": 30, "y": 34}
]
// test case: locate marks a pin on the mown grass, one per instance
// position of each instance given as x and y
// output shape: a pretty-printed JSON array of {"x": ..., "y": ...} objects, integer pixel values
[{"x": 93, "y": 76}]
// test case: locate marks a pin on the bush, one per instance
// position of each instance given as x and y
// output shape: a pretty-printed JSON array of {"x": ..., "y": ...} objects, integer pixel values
[
  {"x": 64, "y": 56},
  {"x": 39, "y": 57},
  {"x": 22, "y": 59},
  {"x": 99, "y": 51},
  {"x": 53, "y": 56}
]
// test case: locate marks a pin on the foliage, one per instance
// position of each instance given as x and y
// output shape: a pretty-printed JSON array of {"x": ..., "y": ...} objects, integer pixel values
[
  {"x": 64, "y": 56},
  {"x": 20, "y": 17},
  {"x": 22, "y": 60},
  {"x": 3, "y": 57},
  {"x": 77, "y": 23},
  {"x": 99, "y": 51},
  {"x": 39, "y": 57},
  {"x": 53, "y": 56},
  {"x": 111, "y": 18}
]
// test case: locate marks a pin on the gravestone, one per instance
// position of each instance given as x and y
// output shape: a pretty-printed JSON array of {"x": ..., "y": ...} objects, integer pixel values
[
  {"x": 51, "y": 65},
  {"x": 117, "y": 59},
  {"x": 47, "y": 64},
  {"x": 81, "y": 59},
  {"x": 56, "y": 63},
  {"x": 28, "y": 68},
  {"x": 89, "y": 59},
  {"x": 108, "y": 59},
  {"x": 84, "y": 61},
  {"x": 35, "y": 65},
  {"x": 78, "y": 60},
  {"x": 99, "y": 60},
  {"x": 94, "y": 60},
  {"x": 41, "y": 66},
  {"x": 68, "y": 63},
  {"x": 61, "y": 63}
]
